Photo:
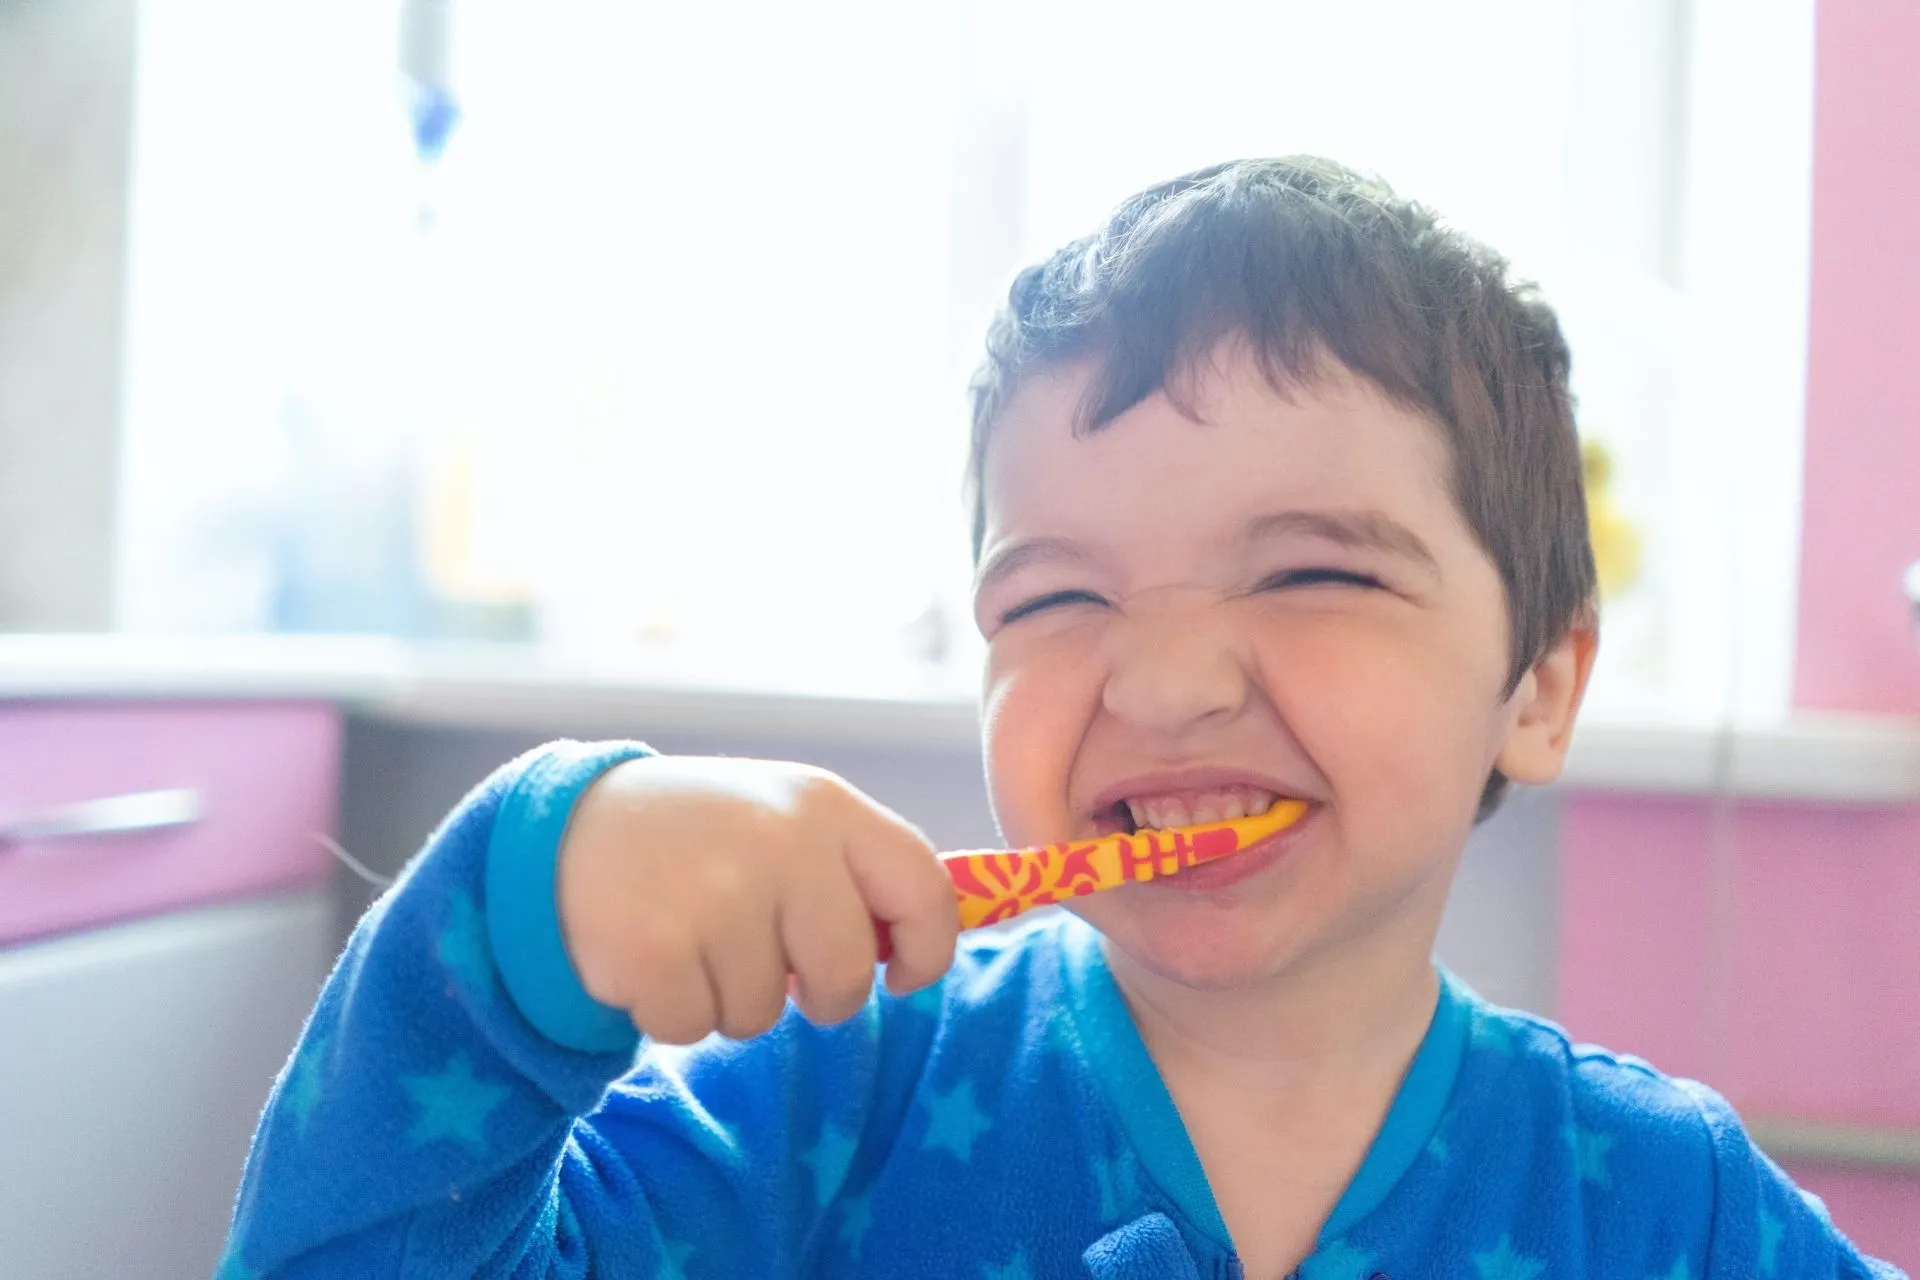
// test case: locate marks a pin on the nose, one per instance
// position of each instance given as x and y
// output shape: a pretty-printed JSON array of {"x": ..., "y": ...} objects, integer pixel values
[{"x": 1172, "y": 669}]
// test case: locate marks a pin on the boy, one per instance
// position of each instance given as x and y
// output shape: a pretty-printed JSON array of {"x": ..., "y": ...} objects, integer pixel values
[{"x": 1276, "y": 495}]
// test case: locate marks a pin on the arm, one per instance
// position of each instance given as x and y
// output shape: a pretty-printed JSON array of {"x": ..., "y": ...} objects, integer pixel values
[{"x": 427, "y": 1126}]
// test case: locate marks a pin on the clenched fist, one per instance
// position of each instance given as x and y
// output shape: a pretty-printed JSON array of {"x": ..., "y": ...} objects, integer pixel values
[{"x": 697, "y": 892}]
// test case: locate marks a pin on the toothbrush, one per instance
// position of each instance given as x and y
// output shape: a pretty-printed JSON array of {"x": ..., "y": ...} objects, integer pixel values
[{"x": 994, "y": 885}]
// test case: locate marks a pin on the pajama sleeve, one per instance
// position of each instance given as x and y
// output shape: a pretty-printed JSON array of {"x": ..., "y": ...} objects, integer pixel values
[
  {"x": 427, "y": 1126},
  {"x": 1763, "y": 1225}
]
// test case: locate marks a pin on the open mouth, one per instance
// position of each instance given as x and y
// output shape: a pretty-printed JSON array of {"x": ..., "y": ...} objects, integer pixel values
[
  {"x": 1221, "y": 802},
  {"x": 1183, "y": 809}
]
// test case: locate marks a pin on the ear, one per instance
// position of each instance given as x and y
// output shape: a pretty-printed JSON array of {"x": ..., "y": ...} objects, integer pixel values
[{"x": 1544, "y": 706}]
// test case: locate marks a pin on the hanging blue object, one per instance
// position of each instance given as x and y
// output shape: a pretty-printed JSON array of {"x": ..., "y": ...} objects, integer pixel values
[
  {"x": 434, "y": 115},
  {"x": 426, "y": 28}
]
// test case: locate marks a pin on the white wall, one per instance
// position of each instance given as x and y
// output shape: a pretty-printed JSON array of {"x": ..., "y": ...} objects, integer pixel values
[{"x": 66, "y": 83}]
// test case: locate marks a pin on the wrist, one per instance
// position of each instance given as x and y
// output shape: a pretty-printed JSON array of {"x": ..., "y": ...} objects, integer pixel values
[{"x": 522, "y": 897}]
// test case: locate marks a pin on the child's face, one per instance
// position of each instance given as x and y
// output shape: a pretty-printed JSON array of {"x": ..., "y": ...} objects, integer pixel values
[{"x": 1281, "y": 599}]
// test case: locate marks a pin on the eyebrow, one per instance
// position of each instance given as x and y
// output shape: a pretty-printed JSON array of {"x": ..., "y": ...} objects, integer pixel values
[
  {"x": 1011, "y": 559},
  {"x": 1363, "y": 530}
]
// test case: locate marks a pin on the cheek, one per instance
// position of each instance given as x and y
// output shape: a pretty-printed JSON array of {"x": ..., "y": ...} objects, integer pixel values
[
  {"x": 1034, "y": 713},
  {"x": 1403, "y": 720}
]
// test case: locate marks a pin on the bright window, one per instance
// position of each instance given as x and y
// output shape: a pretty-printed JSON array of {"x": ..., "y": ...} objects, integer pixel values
[{"x": 666, "y": 353}]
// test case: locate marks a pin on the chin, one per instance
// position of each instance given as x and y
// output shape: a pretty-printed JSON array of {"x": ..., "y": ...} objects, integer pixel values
[{"x": 1202, "y": 945}]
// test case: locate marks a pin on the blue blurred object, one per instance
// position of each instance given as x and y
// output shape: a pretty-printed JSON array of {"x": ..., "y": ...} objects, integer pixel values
[
  {"x": 426, "y": 31},
  {"x": 434, "y": 115}
]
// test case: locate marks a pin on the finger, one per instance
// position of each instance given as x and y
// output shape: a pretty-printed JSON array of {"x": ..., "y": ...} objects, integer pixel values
[
  {"x": 748, "y": 966},
  {"x": 905, "y": 888},
  {"x": 674, "y": 1001},
  {"x": 828, "y": 936}
]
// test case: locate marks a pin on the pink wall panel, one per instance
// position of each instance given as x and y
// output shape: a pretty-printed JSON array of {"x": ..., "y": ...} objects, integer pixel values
[
  {"x": 1634, "y": 891},
  {"x": 1800, "y": 996},
  {"x": 1881, "y": 1214},
  {"x": 1861, "y": 523},
  {"x": 1825, "y": 1016}
]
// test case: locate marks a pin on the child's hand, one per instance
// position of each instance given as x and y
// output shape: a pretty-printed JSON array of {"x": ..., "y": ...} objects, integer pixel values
[{"x": 690, "y": 888}]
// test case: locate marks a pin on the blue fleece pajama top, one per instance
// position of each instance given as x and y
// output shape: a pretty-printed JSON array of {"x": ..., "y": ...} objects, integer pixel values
[{"x": 458, "y": 1106}]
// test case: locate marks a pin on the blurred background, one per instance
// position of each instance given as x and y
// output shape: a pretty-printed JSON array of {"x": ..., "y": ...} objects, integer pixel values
[{"x": 386, "y": 387}]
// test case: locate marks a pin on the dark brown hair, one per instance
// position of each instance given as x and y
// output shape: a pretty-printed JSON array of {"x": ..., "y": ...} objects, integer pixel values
[{"x": 1308, "y": 260}]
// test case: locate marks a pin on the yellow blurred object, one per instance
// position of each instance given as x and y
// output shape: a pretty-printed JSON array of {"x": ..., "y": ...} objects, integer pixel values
[
  {"x": 453, "y": 566},
  {"x": 1616, "y": 542}
]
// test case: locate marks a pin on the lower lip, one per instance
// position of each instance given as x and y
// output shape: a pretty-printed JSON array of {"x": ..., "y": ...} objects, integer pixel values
[{"x": 1213, "y": 877}]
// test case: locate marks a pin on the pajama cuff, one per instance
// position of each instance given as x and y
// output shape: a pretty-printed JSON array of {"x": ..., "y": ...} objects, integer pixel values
[{"x": 523, "y": 915}]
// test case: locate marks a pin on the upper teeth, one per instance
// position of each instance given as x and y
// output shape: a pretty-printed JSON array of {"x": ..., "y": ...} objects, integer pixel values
[{"x": 1203, "y": 806}]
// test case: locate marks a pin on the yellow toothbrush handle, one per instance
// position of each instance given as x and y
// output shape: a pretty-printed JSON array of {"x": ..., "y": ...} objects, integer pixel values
[{"x": 994, "y": 885}]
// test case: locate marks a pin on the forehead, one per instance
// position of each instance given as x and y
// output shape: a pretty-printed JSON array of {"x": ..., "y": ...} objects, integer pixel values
[{"x": 1246, "y": 449}]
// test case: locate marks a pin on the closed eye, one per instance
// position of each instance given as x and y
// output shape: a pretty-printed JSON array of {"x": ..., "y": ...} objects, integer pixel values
[
  {"x": 1319, "y": 578},
  {"x": 1049, "y": 601}
]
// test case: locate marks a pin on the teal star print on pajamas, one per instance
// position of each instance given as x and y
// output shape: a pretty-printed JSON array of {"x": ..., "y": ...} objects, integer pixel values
[
  {"x": 452, "y": 1103},
  {"x": 303, "y": 1081},
  {"x": 674, "y": 1265},
  {"x": 953, "y": 1122},
  {"x": 1491, "y": 1035},
  {"x": 1590, "y": 1150},
  {"x": 462, "y": 945},
  {"x": 1118, "y": 1181},
  {"x": 829, "y": 1158},
  {"x": 1338, "y": 1260},
  {"x": 856, "y": 1222},
  {"x": 1015, "y": 1268},
  {"x": 1503, "y": 1262},
  {"x": 1770, "y": 1230},
  {"x": 1679, "y": 1271},
  {"x": 926, "y": 1000}
]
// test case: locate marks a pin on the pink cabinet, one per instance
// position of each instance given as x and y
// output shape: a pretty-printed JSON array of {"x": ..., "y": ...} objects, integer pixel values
[
  {"x": 167, "y": 914},
  {"x": 111, "y": 811}
]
